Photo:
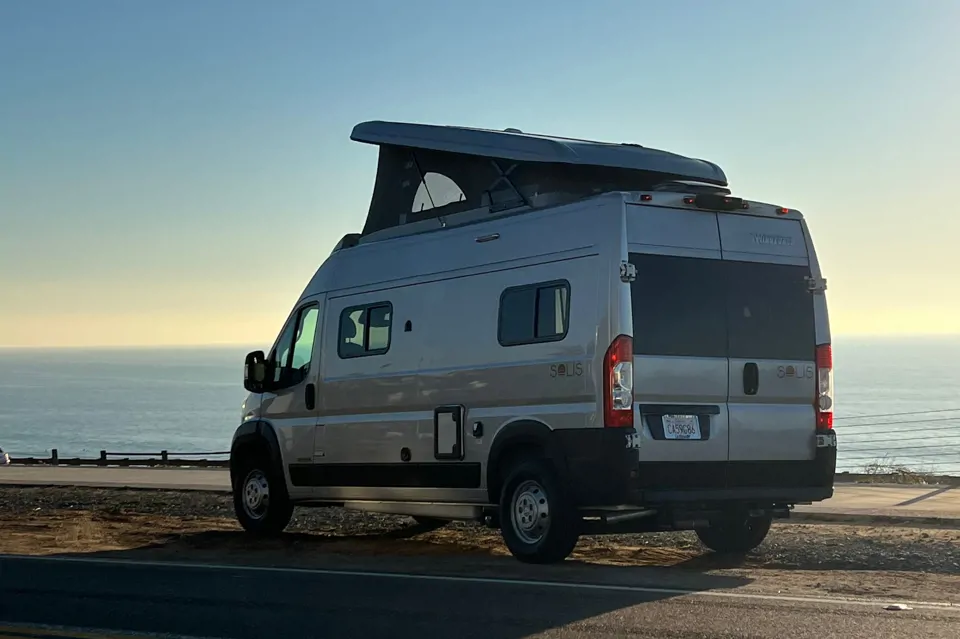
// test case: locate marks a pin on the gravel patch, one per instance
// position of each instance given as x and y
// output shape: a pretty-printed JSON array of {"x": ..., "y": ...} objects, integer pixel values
[{"x": 790, "y": 546}]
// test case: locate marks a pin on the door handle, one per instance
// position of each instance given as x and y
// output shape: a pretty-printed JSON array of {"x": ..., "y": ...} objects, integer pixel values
[
  {"x": 310, "y": 396},
  {"x": 751, "y": 378}
]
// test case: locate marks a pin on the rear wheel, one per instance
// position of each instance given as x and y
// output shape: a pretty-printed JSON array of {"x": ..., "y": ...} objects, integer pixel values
[
  {"x": 735, "y": 533},
  {"x": 538, "y": 521},
  {"x": 260, "y": 497}
]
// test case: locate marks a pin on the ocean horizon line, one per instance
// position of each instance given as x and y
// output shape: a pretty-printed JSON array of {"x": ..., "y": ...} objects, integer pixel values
[{"x": 132, "y": 347}]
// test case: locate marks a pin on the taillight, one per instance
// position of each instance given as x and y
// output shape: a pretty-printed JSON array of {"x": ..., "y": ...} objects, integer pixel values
[
  {"x": 824, "y": 400},
  {"x": 618, "y": 383}
]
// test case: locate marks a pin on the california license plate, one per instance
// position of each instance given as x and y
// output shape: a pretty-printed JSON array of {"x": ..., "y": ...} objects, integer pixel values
[{"x": 681, "y": 427}]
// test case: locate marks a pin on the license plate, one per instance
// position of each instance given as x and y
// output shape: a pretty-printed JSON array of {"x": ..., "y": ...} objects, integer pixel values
[{"x": 681, "y": 427}]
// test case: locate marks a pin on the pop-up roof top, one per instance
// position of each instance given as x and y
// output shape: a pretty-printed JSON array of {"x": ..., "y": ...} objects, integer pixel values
[{"x": 428, "y": 171}]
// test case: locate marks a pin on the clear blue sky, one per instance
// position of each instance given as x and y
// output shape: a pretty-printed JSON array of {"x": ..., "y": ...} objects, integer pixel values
[{"x": 148, "y": 149}]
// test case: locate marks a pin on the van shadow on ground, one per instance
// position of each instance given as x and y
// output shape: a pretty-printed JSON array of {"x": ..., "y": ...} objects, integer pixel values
[
  {"x": 457, "y": 547},
  {"x": 450, "y": 550},
  {"x": 227, "y": 601},
  {"x": 669, "y": 564}
]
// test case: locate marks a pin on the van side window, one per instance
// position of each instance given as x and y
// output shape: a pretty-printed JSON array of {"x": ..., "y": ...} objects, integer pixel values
[
  {"x": 534, "y": 313},
  {"x": 365, "y": 330},
  {"x": 679, "y": 306},
  {"x": 294, "y": 350}
]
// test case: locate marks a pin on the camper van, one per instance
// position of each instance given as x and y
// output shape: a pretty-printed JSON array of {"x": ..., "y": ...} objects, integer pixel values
[{"x": 555, "y": 337}]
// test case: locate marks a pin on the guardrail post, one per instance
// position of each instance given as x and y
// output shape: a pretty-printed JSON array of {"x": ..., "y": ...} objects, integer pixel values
[
  {"x": 54, "y": 457},
  {"x": 103, "y": 458},
  {"x": 163, "y": 456}
]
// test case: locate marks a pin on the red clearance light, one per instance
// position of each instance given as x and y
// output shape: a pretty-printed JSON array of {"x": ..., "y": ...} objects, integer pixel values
[
  {"x": 646, "y": 197},
  {"x": 782, "y": 210},
  {"x": 689, "y": 199}
]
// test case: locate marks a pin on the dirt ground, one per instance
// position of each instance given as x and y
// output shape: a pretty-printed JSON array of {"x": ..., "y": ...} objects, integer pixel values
[{"x": 797, "y": 558}]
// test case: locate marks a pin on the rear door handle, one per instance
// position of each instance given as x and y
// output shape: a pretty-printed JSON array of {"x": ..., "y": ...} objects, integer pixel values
[
  {"x": 751, "y": 378},
  {"x": 310, "y": 396}
]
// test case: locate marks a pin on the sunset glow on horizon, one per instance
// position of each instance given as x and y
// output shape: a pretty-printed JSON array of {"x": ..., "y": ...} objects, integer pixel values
[{"x": 174, "y": 173}]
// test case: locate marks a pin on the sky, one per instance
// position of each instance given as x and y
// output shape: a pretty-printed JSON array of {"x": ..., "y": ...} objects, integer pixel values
[{"x": 173, "y": 172}]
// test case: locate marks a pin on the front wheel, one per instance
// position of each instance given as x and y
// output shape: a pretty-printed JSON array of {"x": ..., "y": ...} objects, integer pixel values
[
  {"x": 538, "y": 521},
  {"x": 260, "y": 499},
  {"x": 735, "y": 533}
]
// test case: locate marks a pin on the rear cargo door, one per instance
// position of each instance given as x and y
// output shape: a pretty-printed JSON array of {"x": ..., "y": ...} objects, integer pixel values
[
  {"x": 680, "y": 343},
  {"x": 772, "y": 339}
]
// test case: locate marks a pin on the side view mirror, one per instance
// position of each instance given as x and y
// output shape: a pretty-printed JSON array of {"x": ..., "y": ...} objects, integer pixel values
[{"x": 255, "y": 372}]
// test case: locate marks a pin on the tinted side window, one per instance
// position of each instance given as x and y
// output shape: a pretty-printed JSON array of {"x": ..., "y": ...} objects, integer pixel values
[
  {"x": 770, "y": 311},
  {"x": 365, "y": 330},
  {"x": 378, "y": 329},
  {"x": 294, "y": 350},
  {"x": 516, "y": 315},
  {"x": 679, "y": 307},
  {"x": 303, "y": 344},
  {"x": 280, "y": 355},
  {"x": 534, "y": 313}
]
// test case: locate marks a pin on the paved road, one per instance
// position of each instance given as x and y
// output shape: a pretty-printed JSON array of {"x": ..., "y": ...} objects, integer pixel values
[
  {"x": 849, "y": 499},
  {"x": 263, "y": 602}
]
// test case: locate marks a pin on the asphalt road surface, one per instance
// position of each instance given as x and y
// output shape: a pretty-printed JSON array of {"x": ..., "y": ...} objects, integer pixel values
[{"x": 211, "y": 601}]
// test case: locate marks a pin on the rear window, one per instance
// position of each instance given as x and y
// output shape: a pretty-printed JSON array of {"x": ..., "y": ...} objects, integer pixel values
[
  {"x": 770, "y": 311},
  {"x": 697, "y": 307},
  {"x": 678, "y": 306}
]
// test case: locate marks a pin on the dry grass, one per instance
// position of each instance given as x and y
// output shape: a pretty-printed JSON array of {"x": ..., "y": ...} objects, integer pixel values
[{"x": 889, "y": 471}]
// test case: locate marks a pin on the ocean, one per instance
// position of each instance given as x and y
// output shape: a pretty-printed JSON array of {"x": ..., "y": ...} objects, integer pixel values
[{"x": 897, "y": 401}]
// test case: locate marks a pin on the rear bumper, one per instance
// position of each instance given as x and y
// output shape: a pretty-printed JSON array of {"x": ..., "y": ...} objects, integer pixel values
[
  {"x": 601, "y": 467},
  {"x": 602, "y": 470}
]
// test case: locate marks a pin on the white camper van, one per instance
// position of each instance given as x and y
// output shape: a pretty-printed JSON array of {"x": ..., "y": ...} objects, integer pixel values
[{"x": 554, "y": 336}]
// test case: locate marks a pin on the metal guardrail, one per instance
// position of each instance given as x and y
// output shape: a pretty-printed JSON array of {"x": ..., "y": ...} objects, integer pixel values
[
  {"x": 107, "y": 458},
  {"x": 165, "y": 458},
  {"x": 173, "y": 460}
]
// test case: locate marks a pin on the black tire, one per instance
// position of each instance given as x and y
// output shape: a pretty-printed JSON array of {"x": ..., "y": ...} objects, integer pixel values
[
  {"x": 260, "y": 497},
  {"x": 538, "y": 521},
  {"x": 735, "y": 533}
]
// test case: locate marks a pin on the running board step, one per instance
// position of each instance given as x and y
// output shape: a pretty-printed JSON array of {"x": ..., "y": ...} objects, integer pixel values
[{"x": 418, "y": 509}]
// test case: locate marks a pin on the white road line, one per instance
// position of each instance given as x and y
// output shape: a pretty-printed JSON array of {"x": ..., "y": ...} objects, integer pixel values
[{"x": 569, "y": 585}]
